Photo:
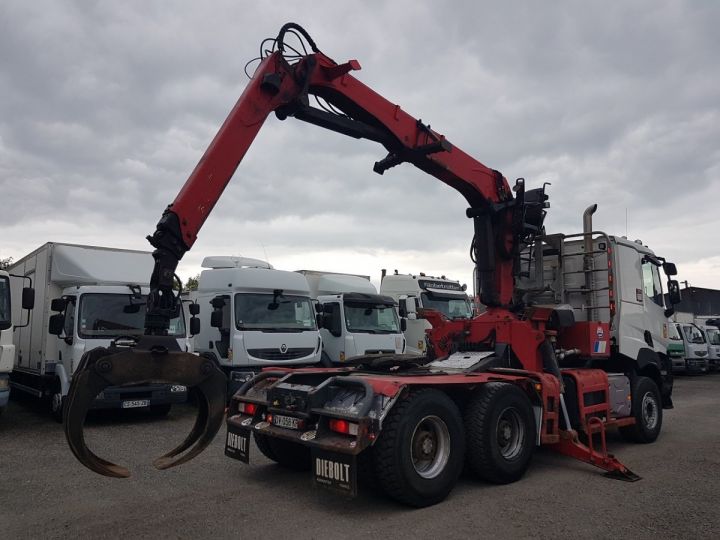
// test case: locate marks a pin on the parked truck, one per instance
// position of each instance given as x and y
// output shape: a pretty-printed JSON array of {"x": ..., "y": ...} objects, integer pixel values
[
  {"x": 414, "y": 292},
  {"x": 356, "y": 320},
  {"x": 7, "y": 347},
  {"x": 676, "y": 347},
  {"x": 696, "y": 349},
  {"x": 254, "y": 316},
  {"x": 492, "y": 388},
  {"x": 87, "y": 297}
]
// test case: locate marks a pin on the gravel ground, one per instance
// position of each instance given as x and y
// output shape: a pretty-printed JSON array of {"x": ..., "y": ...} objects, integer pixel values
[{"x": 45, "y": 493}]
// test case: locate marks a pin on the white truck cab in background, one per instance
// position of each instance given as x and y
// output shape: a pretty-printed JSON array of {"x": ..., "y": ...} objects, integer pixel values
[
  {"x": 712, "y": 335},
  {"x": 7, "y": 347},
  {"x": 356, "y": 320},
  {"x": 253, "y": 316},
  {"x": 414, "y": 292},
  {"x": 87, "y": 297}
]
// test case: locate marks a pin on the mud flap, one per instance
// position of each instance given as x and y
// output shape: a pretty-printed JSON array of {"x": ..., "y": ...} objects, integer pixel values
[
  {"x": 334, "y": 471},
  {"x": 237, "y": 443}
]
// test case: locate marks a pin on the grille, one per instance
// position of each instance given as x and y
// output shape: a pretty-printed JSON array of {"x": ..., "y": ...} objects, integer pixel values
[{"x": 275, "y": 354}]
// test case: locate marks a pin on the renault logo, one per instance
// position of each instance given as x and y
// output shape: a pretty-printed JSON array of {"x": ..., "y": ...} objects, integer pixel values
[{"x": 283, "y": 348}]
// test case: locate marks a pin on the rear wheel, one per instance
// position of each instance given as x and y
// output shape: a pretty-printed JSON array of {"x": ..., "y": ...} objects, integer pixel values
[
  {"x": 419, "y": 455},
  {"x": 647, "y": 410},
  {"x": 500, "y": 429},
  {"x": 288, "y": 454}
]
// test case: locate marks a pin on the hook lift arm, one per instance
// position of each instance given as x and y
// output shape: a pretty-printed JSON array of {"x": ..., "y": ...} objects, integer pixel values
[{"x": 284, "y": 84}]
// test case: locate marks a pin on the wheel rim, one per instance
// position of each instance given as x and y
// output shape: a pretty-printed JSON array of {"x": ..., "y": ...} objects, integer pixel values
[
  {"x": 649, "y": 410},
  {"x": 430, "y": 447},
  {"x": 510, "y": 433}
]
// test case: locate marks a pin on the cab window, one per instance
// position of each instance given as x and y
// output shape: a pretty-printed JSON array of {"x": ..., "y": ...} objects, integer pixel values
[{"x": 651, "y": 283}]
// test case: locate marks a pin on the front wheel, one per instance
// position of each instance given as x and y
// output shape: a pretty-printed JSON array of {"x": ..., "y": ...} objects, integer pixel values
[
  {"x": 419, "y": 455},
  {"x": 647, "y": 410},
  {"x": 57, "y": 405}
]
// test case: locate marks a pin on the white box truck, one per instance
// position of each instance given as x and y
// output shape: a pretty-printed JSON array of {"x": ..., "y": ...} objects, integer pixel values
[
  {"x": 420, "y": 291},
  {"x": 254, "y": 316},
  {"x": 356, "y": 320},
  {"x": 86, "y": 297},
  {"x": 7, "y": 347}
]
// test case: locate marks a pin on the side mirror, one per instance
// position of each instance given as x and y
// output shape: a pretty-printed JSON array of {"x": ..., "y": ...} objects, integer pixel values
[
  {"x": 218, "y": 302},
  {"x": 194, "y": 309},
  {"x": 194, "y": 325},
  {"x": 58, "y": 304},
  {"x": 56, "y": 324},
  {"x": 403, "y": 324},
  {"x": 318, "y": 307},
  {"x": 674, "y": 292},
  {"x": 670, "y": 269},
  {"x": 216, "y": 318},
  {"x": 319, "y": 319},
  {"x": 28, "y": 298},
  {"x": 402, "y": 307}
]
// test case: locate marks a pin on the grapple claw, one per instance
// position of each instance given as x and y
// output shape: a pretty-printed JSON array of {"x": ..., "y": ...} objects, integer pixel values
[{"x": 153, "y": 360}]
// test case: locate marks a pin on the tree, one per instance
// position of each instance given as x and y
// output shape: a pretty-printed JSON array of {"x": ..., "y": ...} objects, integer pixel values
[
  {"x": 192, "y": 283},
  {"x": 5, "y": 263}
]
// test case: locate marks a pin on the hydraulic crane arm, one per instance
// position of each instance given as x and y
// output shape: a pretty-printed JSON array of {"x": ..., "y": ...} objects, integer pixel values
[
  {"x": 283, "y": 83},
  {"x": 358, "y": 111}
]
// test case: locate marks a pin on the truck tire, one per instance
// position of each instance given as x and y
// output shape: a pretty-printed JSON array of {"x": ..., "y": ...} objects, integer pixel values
[
  {"x": 426, "y": 427},
  {"x": 263, "y": 444},
  {"x": 500, "y": 430},
  {"x": 285, "y": 453},
  {"x": 647, "y": 410},
  {"x": 57, "y": 406}
]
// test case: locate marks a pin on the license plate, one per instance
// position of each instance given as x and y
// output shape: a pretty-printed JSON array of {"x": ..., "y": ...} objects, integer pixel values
[
  {"x": 237, "y": 443},
  {"x": 337, "y": 472},
  {"x": 289, "y": 422},
  {"x": 135, "y": 403}
]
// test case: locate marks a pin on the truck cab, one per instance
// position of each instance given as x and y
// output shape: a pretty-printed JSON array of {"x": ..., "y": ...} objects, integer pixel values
[
  {"x": 254, "y": 316},
  {"x": 712, "y": 333},
  {"x": 417, "y": 292},
  {"x": 7, "y": 347},
  {"x": 696, "y": 348},
  {"x": 612, "y": 291},
  {"x": 676, "y": 347},
  {"x": 91, "y": 316},
  {"x": 356, "y": 320}
]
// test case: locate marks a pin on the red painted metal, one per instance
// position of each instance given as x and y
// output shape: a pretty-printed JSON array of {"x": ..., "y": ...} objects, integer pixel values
[{"x": 591, "y": 337}]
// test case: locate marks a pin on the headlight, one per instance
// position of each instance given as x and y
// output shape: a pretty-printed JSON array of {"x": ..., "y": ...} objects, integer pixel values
[{"x": 178, "y": 388}]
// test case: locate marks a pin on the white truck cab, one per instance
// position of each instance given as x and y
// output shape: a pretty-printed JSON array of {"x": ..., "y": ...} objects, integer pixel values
[
  {"x": 254, "y": 316},
  {"x": 7, "y": 347},
  {"x": 414, "y": 292},
  {"x": 712, "y": 333},
  {"x": 87, "y": 297},
  {"x": 696, "y": 348},
  {"x": 356, "y": 320}
]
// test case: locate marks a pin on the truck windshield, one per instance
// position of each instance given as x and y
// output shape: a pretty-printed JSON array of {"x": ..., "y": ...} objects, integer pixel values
[
  {"x": 673, "y": 333},
  {"x": 452, "y": 308},
  {"x": 5, "y": 313},
  {"x": 713, "y": 335},
  {"x": 109, "y": 315},
  {"x": 271, "y": 313},
  {"x": 693, "y": 333},
  {"x": 371, "y": 318}
]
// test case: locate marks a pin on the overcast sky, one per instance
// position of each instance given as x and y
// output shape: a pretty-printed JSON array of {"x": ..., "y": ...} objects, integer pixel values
[{"x": 105, "y": 108}]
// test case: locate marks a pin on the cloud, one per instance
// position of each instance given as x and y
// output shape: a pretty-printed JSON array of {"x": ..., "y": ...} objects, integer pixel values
[{"x": 107, "y": 108}]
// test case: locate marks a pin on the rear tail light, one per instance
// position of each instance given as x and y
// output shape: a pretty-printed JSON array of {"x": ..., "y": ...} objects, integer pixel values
[
  {"x": 247, "y": 408},
  {"x": 343, "y": 426}
]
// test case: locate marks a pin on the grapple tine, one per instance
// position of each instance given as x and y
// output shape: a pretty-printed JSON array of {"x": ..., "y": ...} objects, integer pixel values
[
  {"x": 86, "y": 386},
  {"x": 211, "y": 413},
  {"x": 152, "y": 360}
]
